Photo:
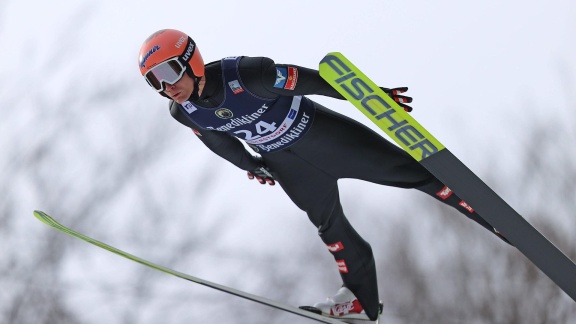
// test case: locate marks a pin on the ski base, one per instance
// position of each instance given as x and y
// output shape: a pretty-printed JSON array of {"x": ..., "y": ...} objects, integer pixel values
[
  {"x": 46, "y": 219},
  {"x": 385, "y": 113}
]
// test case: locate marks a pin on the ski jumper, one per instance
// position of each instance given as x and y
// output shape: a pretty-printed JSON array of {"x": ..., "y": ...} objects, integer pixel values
[{"x": 307, "y": 148}]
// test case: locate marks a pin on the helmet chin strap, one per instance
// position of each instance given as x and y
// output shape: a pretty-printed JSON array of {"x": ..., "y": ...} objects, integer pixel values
[{"x": 196, "y": 90}]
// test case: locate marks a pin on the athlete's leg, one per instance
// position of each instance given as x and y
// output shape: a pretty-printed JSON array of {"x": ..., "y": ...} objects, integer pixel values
[
  {"x": 316, "y": 192},
  {"x": 444, "y": 194},
  {"x": 345, "y": 148}
]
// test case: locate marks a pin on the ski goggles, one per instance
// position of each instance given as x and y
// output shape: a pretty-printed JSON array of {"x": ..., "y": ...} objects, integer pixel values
[{"x": 169, "y": 71}]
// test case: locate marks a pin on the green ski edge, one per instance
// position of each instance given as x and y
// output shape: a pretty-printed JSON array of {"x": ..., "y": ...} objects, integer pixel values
[
  {"x": 45, "y": 218},
  {"x": 378, "y": 106}
]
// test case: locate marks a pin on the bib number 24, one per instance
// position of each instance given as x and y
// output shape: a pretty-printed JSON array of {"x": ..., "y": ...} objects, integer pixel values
[{"x": 262, "y": 128}]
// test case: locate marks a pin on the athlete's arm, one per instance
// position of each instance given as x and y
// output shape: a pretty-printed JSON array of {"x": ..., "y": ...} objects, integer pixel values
[
  {"x": 221, "y": 143},
  {"x": 267, "y": 79}
]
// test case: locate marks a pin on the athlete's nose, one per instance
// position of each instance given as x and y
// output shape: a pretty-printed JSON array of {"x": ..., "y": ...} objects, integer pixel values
[{"x": 168, "y": 86}]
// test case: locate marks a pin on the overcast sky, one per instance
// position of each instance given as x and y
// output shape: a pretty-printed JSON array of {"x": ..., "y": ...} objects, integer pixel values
[
  {"x": 481, "y": 60},
  {"x": 476, "y": 69}
]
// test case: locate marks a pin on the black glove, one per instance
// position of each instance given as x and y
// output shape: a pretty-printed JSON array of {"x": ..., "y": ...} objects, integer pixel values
[
  {"x": 394, "y": 93},
  {"x": 262, "y": 174}
]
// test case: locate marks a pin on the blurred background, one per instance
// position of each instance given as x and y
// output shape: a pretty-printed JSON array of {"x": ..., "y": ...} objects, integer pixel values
[{"x": 84, "y": 139}]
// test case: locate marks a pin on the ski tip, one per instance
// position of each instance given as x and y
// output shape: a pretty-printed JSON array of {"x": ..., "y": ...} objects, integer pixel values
[
  {"x": 333, "y": 53},
  {"x": 330, "y": 57},
  {"x": 40, "y": 215}
]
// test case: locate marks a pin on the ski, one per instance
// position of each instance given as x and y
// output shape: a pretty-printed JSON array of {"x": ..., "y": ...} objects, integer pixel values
[
  {"x": 45, "y": 218},
  {"x": 383, "y": 111}
]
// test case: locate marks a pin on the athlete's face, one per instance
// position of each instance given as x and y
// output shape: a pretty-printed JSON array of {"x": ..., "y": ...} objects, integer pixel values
[{"x": 181, "y": 90}]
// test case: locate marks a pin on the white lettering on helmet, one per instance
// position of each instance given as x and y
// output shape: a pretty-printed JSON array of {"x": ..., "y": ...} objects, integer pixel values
[
  {"x": 189, "y": 51},
  {"x": 180, "y": 42}
]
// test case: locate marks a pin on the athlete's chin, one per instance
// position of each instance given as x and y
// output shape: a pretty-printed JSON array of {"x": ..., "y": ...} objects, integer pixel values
[{"x": 178, "y": 97}]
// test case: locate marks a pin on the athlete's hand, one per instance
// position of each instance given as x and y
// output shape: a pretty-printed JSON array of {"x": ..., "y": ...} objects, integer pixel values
[
  {"x": 395, "y": 93},
  {"x": 263, "y": 175}
]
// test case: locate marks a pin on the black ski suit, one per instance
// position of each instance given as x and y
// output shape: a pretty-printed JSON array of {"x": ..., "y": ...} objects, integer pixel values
[{"x": 332, "y": 147}]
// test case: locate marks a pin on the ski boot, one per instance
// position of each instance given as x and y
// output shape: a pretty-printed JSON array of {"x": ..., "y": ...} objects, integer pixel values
[{"x": 343, "y": 306}]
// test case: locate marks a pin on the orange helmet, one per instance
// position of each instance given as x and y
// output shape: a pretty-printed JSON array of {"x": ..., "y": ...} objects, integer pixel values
[{"x": 171, "y": 44}]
